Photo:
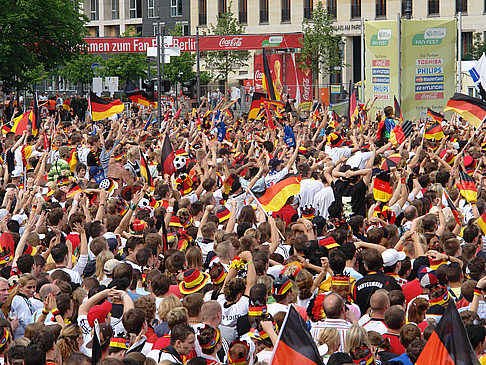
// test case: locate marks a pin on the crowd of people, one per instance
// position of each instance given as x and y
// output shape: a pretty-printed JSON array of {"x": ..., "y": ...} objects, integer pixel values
[{"x": 171, "y": 258}]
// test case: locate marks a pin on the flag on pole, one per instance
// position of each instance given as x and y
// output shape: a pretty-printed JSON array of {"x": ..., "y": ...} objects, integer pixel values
[
  {"x": 20, "y": 123},
  {"x": 434, "y": 131},
  {"x": 473, "y": 110},
  {"x": 256, "y": 103},
  {"x": 147, "y": 125},
  {"x": 478, "y": 72},
  {"x": 96, "y": 349},
  {"x": 101, "y": 108},
  {"x": 167, "y": 156},
  {"x": 269, "y": 116},
  {"x": 448, "y": 344},
  {"x": 397, "y": 135},
  {"x": 295, "y": 344},
  {"x": 35, "y": 117},
  {"x": 267, "y": 81},
  {"x": 145, "y": 171},
  {"x": 453, "y": 208},
  {"x": 436, "y": 117},
  {"x": 353, "y": 104},
  {"x": 276, "y": 196},
  {"x": 398, "y": 110}
]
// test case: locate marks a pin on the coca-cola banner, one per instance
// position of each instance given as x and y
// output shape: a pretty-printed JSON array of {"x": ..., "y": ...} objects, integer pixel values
[
  {"x": 189, "y": 44},
  {"x": 288, "y": 78}
]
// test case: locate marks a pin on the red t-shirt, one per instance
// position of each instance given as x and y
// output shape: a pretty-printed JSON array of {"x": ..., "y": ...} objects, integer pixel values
[
  {"x": 411, "y": 290},
  {"x": 174, "y": 289},
  {"x": 162, "y": 342},
  {"x": 74, "y": 238},
  {"x": 396, "y": 346},
  {"x": 286, "y": 213}
]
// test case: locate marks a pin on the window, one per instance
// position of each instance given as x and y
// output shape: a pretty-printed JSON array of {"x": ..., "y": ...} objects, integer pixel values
[
  {"x": 332, "y": 8},
  {"x": 151, "y": 8},
  {"x": 243, "y": 11},
  {"x": 407, "y": 6},
  {"x": 203, "y": 14},
  {"x": 380, "y": 8},
  {"x": 135, "y": 9},
  {"x": 285, "y": 11},
  {"x": 461, "y": 5},
  {"x": 433, "y": 7},
  {"x": 467, "y": 41},
  {"x": 308, "y": 7},
  {"x": 355, "y": 8},
  {"x": 175, "y": 8},
  {"x": 94, "y": 10},
  {"x": 221, "y": 7},
  {"x": 185, "y": 28},
  {"x": 114, "y": 9},
  {"x": 263, "y": 11}
]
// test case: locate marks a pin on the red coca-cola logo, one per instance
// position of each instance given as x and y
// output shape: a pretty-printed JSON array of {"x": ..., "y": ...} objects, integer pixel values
[
  {"x": 380, "y": 63},
  {"x": 306, "y": 88},
  {"x": 429, "y": 96},
  {"x": 230, "y": 42},
  {"x": 258, "y": 75}
]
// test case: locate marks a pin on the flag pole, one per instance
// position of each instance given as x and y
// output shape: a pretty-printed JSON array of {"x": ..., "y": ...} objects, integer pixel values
[
  {"x": 280, "y": 333},
  {"x": 475, "y": 132},
  {"x": 266, "y": 215}
]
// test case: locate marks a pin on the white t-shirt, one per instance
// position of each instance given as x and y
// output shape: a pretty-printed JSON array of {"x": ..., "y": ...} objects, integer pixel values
[
  {"x": 274, "y": 176},
  {"x": 308, "y": 189},
  {"x": 274, "y": 308},
  {"x": 205, "y": 247},
  {"x": 337, "y": 152},
  {"x": 231, "y": 313},
  {"x": 322, "y": 200}
]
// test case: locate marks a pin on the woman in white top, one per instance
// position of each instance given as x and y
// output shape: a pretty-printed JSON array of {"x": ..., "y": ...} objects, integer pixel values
[{"x": 21, "y": 303}]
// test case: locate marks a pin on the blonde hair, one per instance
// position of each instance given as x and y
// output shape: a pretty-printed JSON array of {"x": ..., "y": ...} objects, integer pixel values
[
  {"x": 356, "y": 336},
  {"x": 304, "y": 282},
  {"x": 23, "y": 280},
  {"x": 168, "y": 303},
  {"x": 68, "y": 340},
  {"x": 194, "y": 258},
  {"x": 101, "y": 259},
  {"x": 328, "y": 336}
]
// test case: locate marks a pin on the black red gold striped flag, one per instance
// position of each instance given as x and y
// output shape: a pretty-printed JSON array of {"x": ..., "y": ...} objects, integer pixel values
[
  {"x": 398, "y": 110},
  {"x": 295, "y": 344},
  {"x": 276, "y": 196},
  {"x": 267, "y": 81},
  {"x": 434, "y": 132},
  {"x": 382, "y": 189},
  {"x": 145, "y": 171},
  {"x": 167, "y": 156},
  {"x": 482, "y": 223},
  {"x": 256, "y": 104},
  {"x": 453, "y": 208},
  {"x": 353, "y": 104},
  {"x": 20, "y": 123},
  {"x": 72, "y": 193},
  {"x": 471, "y": 109},
  {"x": 467, "y": 187},
  {"x": 35, "y": 117},
  {"x": 101, "y": 108},
  {"x": 436, "y": 117},
  {"x": 448, "y": 344},
  {"x": 397, "y": 136}
]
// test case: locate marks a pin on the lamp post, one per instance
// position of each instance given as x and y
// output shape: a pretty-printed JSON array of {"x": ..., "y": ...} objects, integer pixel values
[{"x": 341, "y": 59}]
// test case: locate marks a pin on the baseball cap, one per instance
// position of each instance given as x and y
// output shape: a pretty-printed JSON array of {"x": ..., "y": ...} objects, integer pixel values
[
  {"x": 110, "y": 266},
  {"x": 392, "y": 256},
  {"x": 427, "y": 277}
]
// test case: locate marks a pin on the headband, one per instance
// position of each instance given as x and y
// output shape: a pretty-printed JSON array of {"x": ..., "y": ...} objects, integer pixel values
[
  {"x": 211, "y": 343},
  {"x": 241, "y": 360}
]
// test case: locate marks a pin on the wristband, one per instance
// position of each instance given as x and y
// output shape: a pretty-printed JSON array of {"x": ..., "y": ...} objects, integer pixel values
[
  {"x": 249, "y": 262},
  {"x": 55, "y": 312},
  {"x": 45, "y": 311},
  {"x": 403, "y": 180},
  {"x": 170, "y": 209},
  {"x": 133, "y": 206},
  {"x": 477, "y": 292}
]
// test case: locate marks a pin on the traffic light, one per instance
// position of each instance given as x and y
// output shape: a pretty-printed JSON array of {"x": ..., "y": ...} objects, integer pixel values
[
  {"x": 150, "y": 90},
  {"x": 188, "y": 88},
  {"x": 165, "y": 85}
]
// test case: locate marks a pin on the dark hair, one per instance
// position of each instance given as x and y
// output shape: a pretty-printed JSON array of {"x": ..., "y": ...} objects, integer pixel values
[
  {"x": 476, "y": 334},
  {"x": 34, "y": 355},
  {"x": 25, "y": 263},
  {"x": 133, "y": 320},
  {"x": 373, "y": 259},
  {"x": 453, "y": 272},
  {"x": 415, "y": 349},
  {"x": 44, "y": 339},
  {"x": 395, "y": 317},
  {"x": 63, "y": 302},
  {"x": 339, "y": 358},
  {"x": 349, "y": 250},
  {"x": 180, "y": 332},
  {"x": 95, "y": 229},
  {"x": 159, "y": 282},
  {"x": 193, "y": 303},
  {"x": 59, "y": 252},
  {"x": 337, "y": 261}
]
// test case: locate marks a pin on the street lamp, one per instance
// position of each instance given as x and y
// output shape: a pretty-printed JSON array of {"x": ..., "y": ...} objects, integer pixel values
[{"x": 341, "y": 59}]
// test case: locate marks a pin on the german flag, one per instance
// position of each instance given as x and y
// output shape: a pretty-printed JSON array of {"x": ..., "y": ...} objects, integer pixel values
[
  {"x": 397, "y": 136},
  {"x": 471, "y": 109},
  {"x": 269, "y": 116},
  {"x": 276, "y": 196},
  {"x": 436, "y": 117},
  {"x": 398, "y": 110},
  {"x": 267, "y": 81},
  {"x": 35, "y": 117},
  {"x": 167, "y": 157},
  {"x": 256, "y": 103},
  {"x": 72, "y": 160},
  {"x": 20, "y": 123},
  {"x": 467, "y": 187},
  {"x": 382, "y": 190},
  {"x": 434, "y": 132},
  {"x": 101, "y": 108},
  {"x": 295, "y": 344},
  {"x": 72, "y": 193},
  {"x": 223, "y": 214},
  {"x": 145, "y": 171},
  {"x": 227, "y": 184},
  {"x": 453, "y": 208},
  {"x": 353, "y": 104},
  {"x": 482, "y": 223},
  {"x": 448, "y": 344}
]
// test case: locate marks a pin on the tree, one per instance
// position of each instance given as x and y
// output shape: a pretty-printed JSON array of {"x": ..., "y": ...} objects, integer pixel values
[
  {"x": 80, "y": 70},
  {"x": 38, "y": 34},
  {"x": 320, "y": 52},
  {"x": 478, "y": 47},
  {"x": 127, "y": 66},
  {"x": 225, "y": 62},
  {"x": 181, "y": 68}
]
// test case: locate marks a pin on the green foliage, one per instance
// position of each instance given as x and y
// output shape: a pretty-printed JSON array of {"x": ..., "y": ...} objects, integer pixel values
[
  {"x": 205, "y": 77},
  {"x": 320, "y": 51},
  {"x": 38, "y": 34},
  {"x": 477, "y": 49},
  {"x": 127, "y": 66},
  {"x": 80, "y": 70},
  {"x": 181, "y": 68},
  {"x": 225, "y": 62}
]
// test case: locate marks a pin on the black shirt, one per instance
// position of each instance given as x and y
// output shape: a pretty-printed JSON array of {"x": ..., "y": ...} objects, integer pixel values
[
  {"x": 351, "y": 196},
  {"x": 365, "y": 287}
]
